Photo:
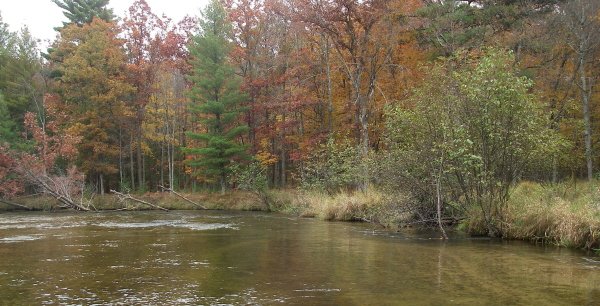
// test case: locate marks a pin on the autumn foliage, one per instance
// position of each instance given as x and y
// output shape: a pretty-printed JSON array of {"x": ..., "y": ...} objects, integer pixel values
[{"x": 314, "y": 74}]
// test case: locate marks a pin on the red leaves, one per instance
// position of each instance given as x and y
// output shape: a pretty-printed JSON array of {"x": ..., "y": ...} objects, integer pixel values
[
  {"x": 50, "y": 142},
  {"x": 10, "y": 184}
]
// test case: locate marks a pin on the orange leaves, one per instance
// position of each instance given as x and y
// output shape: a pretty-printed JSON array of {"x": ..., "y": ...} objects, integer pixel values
[
  {"x": 263, "y": 155},
  {"x": 10, "y": 185},
  {"x": 92, "y": 90}
]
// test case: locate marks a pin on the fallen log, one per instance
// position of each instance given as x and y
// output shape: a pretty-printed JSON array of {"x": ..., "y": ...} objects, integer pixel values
[
  {"x": 124, "y": 197},
  {"x": 66, "y": 200},
  {"x": 15, "y": 204},
  {"x": 181, "y": 196}
]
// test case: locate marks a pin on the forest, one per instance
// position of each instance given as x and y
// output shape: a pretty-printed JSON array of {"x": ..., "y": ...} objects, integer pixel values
[{"x": 478, "y": 113}]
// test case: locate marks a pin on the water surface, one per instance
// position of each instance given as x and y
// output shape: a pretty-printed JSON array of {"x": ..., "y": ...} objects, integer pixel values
[{"x": 236, "y": 258}]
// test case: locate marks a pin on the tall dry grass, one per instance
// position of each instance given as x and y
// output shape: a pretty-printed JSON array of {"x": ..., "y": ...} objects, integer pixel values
[
  {"x": 371, "y": 206},
  {"x": 565, "y": 214}
]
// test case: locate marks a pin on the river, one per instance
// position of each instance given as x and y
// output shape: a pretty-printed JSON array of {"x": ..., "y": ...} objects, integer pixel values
[{"x": 245, "y": 258}]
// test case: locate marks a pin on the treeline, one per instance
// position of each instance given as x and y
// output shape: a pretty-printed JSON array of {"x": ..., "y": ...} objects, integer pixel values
[{"x": 451, "y": 100}]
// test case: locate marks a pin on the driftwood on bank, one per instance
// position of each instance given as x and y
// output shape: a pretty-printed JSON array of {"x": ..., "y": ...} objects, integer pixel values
[
  {"x": 124, "y": 197},
  {"x": 17, "y": 205},
  {"x": 181, "y": 196}
]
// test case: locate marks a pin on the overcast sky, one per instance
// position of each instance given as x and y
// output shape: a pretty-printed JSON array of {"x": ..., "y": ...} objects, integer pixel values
[{"x": 41, "y": 16}]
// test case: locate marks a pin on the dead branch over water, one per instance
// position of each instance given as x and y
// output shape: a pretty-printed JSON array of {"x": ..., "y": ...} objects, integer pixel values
[
  {"x": 124, "y": 197},
  {"x": 181, "y": 196}
]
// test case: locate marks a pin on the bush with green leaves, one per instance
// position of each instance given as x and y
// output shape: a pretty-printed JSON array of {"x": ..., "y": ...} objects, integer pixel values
[
  {"x": 466, "y": 135},
  {"x": 250, "y": 177},
  {"x": 332, "y": 167}
]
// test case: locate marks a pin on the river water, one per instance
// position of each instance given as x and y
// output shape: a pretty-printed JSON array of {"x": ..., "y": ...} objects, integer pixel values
[{"x": 243, "y": 258}]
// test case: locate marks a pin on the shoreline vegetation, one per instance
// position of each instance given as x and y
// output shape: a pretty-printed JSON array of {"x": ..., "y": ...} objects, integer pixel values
[
  {"x": 450, "y": 115},
  {"x": 565, "y": 214}
]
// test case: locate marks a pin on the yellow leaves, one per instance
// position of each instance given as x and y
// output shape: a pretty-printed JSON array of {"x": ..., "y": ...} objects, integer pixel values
[
  {"x": 264, "y": 156},
  {"x": 76, "y": 129}
]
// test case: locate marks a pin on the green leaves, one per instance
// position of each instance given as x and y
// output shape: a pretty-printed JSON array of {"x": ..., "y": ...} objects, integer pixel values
[
  {"x": 81, "y": 12},
  {"x": 216, "y": 98},
  {"x": 331, "y": 167},
  {"x": 477, "y": 129}
]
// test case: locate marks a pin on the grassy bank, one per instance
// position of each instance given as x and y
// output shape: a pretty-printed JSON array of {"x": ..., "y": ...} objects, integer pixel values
[
  {"x": 370, "y": 206},
  {"x": 566, "y": 214},
  {"x": 229, "y": 201}
]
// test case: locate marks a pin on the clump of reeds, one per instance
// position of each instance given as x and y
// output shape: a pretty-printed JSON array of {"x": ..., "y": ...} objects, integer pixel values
[{"x": 562, "y": 214}]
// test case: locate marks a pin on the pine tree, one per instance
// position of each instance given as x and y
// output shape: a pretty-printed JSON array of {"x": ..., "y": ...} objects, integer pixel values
[
  {"x": 81, "y": 12},
  {"x": 7, "y": 125},
  {"x": 216, "y": 97}
]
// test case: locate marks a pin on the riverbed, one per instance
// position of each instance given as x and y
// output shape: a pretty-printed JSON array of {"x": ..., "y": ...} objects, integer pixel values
[{"x": 248, "y": 258}]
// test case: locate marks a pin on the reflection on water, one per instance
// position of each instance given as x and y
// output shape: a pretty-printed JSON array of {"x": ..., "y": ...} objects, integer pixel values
[{"x": 220, "y": 258}]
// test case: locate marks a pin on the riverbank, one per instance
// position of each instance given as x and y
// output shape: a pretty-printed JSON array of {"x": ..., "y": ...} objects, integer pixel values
[
  {"x": 238, "y": 200},
  {"x": 566, "y": 214}
]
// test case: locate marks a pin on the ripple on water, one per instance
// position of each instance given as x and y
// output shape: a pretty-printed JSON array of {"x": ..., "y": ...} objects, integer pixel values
[
  {"x": 19, "y": 239},
  {"x": 168, "y": 223},
  {"x": 39, "y": 222},
  {"x": 591, "y": 263},
  {"x": 43, "y": 225}
]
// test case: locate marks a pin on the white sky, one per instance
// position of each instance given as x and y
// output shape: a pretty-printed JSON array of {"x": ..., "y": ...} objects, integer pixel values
[{"x": 41, "y": 16}]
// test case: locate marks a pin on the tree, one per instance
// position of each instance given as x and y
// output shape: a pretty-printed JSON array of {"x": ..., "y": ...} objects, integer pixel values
[
  {"x": 81, "y": 12},
  {"x": 7, "y": 125},
  {"x": 21, "y": 81},
  {"x": 144, "y": 35},
  {"x": 363, "y": 34},
  {"x": 473, "y": 131},
  {"x": 216, "y": 97},
  {"x": 49, "y": 168},
  {"x": 581, "y": 20},
  {"x": 454, "y": 25},
  {"x": 93, "y": 86}
]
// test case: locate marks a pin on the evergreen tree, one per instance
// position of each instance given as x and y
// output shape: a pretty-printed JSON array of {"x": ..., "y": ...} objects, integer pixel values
[
  {"x": 216, "y": 97},
  {"x": 81, "y": 12},
  {"x": 7, "y": 133},
  {"x": 5, "y": 35},
  {"x": 20, "y": 79},
  {"x": 21, "y": 84}
]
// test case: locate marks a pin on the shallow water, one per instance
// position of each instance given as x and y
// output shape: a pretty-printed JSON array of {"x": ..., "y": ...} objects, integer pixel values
[{"x": 223, "y": 258}]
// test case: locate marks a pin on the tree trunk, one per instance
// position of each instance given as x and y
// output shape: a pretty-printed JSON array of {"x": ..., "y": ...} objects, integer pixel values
[
  {"x": 131, "y": 163},
  {"x": 138, "y": 149},
  {"x": 143, "y": 181},
  {"x": 282, "y": 155},
  {"x": 120, "y": 156},
  {"x": 170, "y": 161},
  {"x": 585, "y": 97},
  {"x": 438, "y": 191},
  {"x": 363, "y": 143},
  {"x": 162, "y": 162},
  {"x": 222, "y": 183},
  {"x": 101, "y": 178},
  {"x": 329, "y": 85}
]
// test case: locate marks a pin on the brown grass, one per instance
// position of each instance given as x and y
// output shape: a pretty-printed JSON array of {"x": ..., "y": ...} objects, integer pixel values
[
  {"x": 566, "y": 214},
  {"x": 372, "y": 205},
  {"x": 230, "y": 201}
]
